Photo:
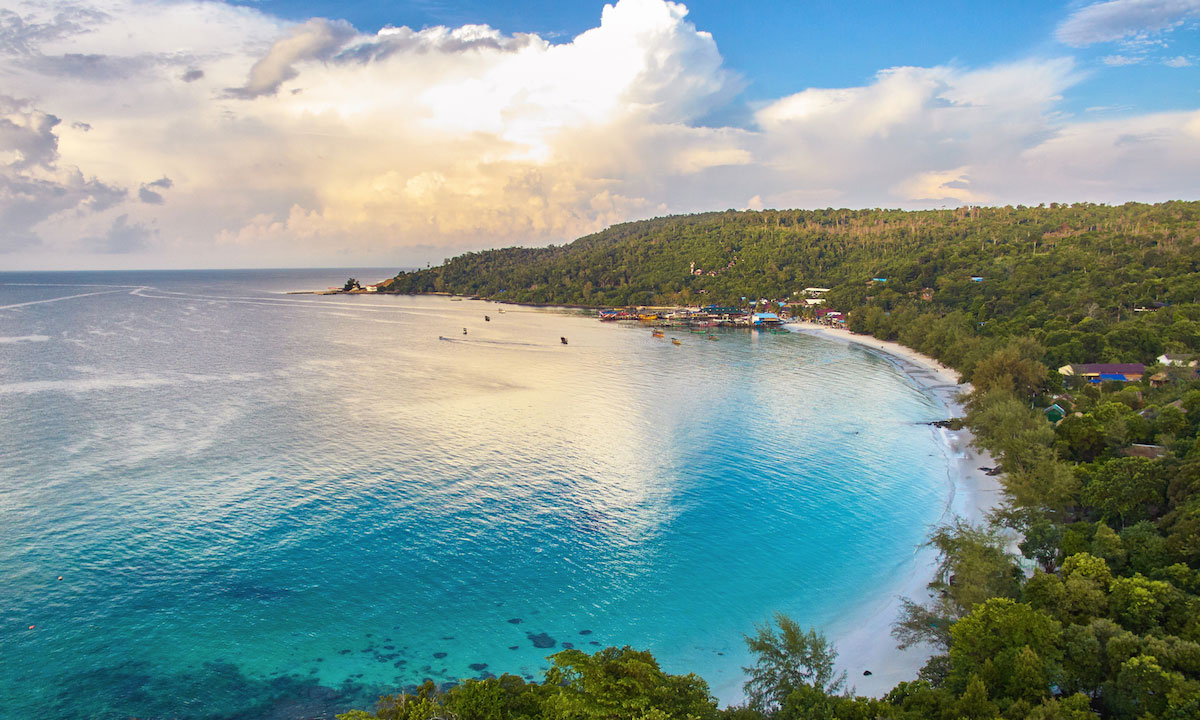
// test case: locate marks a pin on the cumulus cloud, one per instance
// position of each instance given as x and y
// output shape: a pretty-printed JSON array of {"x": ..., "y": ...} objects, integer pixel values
[
  {"x": 316, "y": 39},
  {"x": 1122, "y": 19},
  {"x": 33, "y": 185},
  {"x": 148, "y": 193},
  {"x": 1179, "y": 61},
  {"x": 121, "y": 237},
  {"x": 411, "y": 145},
  {"x": 917, "y": 135}
]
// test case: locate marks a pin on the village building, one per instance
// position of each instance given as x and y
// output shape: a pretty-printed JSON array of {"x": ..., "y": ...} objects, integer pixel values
[
  {"x": 1173, "y": 360},
  {"x": 1141, "y": 450},
  {"x": 1054, "y": 413},
  {"x": 1098, "y": 372}
]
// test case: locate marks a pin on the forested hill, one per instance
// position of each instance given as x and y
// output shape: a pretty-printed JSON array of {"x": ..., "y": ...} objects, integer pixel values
[
  {"x": 1078, "y": 278},
  {"x": 1099, "y": 614}
]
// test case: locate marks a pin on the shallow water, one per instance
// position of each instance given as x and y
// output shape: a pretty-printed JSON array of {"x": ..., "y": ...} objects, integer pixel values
[{"x": 265, "y": 505}]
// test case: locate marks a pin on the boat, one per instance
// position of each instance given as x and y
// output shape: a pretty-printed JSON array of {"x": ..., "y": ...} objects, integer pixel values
[
  {"x": 564, "y": 340},
  {"x": 657, "y": 333},
  {"x": 675, "y": 342},
  {"x": 487, "y": 318},
  {"x": 647, "y": 317},
  {"x": 455, "y": 299}
]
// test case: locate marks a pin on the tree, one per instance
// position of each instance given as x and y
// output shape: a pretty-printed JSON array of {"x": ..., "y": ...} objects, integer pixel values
[
  {"x": 1015, "y": 649},
  {"x": 1126, "y": 489},
  {"x": 973, "y": 566},
  {"x": 1143, "y": 689},
  {"x": 1042, "y": 541},
  {"x": 621, "y": 683},
  {"x": 1015, "y": 368},
  {"x": 1141, "y": 604},
  {"x": 788, "y": 659},
  {"x": 507, "y": 697},
  {"x": 974, "y": 703},
  {"x": 351, "y": 284}
]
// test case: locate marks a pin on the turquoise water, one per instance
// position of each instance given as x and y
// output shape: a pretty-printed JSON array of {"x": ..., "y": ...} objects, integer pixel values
[{"x": 265, "y": 505}]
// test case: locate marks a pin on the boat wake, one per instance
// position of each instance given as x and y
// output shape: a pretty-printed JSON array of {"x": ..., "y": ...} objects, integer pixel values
[{"x": 491, "y": 342}]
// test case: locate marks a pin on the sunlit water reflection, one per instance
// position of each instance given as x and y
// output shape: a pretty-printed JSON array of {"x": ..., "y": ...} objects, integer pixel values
[{"x": 265, "y": 505}]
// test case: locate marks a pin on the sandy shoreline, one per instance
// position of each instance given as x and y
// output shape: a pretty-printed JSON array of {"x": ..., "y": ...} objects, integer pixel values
[{"x": 867, "y": 644}]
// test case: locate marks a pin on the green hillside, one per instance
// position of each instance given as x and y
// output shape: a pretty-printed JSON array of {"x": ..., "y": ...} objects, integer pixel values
[
  {"x": 1081, "y": 597},
  {"x": 1072, "y": 277}
]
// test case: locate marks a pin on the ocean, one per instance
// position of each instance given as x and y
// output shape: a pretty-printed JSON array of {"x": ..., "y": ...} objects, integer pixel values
[{"x": 221, "y": 501}]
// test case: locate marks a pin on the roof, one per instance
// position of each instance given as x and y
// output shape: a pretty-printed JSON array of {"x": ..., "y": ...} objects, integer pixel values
[
  {"x": 765, "y": 316},
  {"x": 1109, "y": 369},
  {"x": 1145, "y": 451}
]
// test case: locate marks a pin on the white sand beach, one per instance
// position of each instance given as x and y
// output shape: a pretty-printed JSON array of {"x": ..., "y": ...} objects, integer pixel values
[{"x": 866, "y": 643}]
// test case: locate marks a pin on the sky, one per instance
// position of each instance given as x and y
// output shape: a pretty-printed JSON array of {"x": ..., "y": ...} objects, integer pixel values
[{"x": 275, "y": 133}]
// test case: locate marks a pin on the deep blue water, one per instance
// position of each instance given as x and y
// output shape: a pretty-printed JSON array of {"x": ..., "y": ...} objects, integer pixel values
[{"x": 264, "y": 505}]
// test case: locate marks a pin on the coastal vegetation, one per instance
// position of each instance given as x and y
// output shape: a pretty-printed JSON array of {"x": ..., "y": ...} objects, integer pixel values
[{"x": 1081, "y": 597}]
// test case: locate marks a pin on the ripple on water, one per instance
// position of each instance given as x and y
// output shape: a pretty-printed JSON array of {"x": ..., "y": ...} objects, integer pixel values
[{"x": 240, "y": 542}]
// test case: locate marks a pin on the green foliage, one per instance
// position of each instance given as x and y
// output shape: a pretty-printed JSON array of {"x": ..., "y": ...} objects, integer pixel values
[
  {"x": 1015, "y": 650},
  {"x": 1064, "y": 278},
  {"x": 973, "y": 566},
  {"x": 788, "y": 659},
  {"x": 614, "y": 684},
  {"x": 1105, "y": 503},
  {"x": 1126, "y": 489}
]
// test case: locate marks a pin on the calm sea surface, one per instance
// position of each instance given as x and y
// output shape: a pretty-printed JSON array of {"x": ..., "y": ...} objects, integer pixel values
[{"x": 264, "y": 505}]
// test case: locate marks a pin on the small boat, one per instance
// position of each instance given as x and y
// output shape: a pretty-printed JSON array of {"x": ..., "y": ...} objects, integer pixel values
[
  {"x": 487, "y": 318},
  {"x": 464, "y": 331},
  {"x": 657, "y": 333},
  {"x": 564, "y": 340},
  {"x": 455, "y": 299},
  {"x": 712, "y": 337},
  {"x": 675, "y": 342}
]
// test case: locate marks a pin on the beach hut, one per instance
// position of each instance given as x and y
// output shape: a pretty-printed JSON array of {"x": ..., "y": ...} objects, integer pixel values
[
  {"x": 1054, "y": 413},
  {"x": 1099, "y": 372},
  {"x": 766, "y": 319}
]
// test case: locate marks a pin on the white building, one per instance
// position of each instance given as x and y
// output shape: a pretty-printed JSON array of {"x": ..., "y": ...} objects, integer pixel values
[{"x": 1169, "y": 360}]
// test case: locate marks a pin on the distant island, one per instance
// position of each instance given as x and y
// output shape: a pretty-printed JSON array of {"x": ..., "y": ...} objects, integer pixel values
[{"x": 1078, "y": 327}]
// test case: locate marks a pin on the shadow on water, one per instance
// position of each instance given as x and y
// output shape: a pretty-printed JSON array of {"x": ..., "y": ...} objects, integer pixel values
[{"x": 219, "y": 691}]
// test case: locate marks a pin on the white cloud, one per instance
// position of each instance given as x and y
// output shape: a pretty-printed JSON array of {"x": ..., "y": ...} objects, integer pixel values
[
  {"x": 317, "y": 39},
  {"x": 914, "y": 135},
  {"x": 406, "y": 145},
  {"x": 34, "y": 186},
  {"x": 122, "y": 237},
  {"x": 1178, "y": 61},
  {"x": 1120, "y": 60},
  {"x": 1123, "y": 19}
]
